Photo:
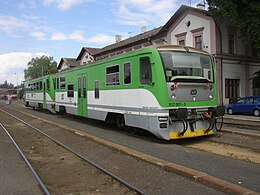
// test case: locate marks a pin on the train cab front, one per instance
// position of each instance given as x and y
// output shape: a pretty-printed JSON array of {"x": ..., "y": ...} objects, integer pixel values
[{"x": 190, "y": 76}]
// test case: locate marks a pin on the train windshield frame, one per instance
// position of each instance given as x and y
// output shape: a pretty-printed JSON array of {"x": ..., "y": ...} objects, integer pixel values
[{"x": 187, "y": 66}]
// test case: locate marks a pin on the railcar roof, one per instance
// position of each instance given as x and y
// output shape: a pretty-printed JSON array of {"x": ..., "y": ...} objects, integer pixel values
[
  {"x": 39, "y": 78},
  {"x": 180, "y": 48},
  {"x": 146, "y": 49}
]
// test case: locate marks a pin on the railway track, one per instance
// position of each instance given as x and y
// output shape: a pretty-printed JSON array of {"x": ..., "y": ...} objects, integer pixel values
[
  {"x": 243, "y": 124},
  {"x": 87, "y": 160},
  {"x": 36, "y": 176},
  {"x": 187, "y": 172}
]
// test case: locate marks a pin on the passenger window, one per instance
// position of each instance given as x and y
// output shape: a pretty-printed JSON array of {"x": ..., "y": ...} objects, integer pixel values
[
  {"x": 58, "y": 83},
  {"x": 84, "y": 87},
  {"x": 41, "y": 85},
  {"x": 127, "y": 73},
  {"x": 54, "y": 82},
  {"x": 112, "y": 75},
  {"x": 96, "y": 89},
  {"x": 79, "y": 87},
  {"x": 48, "y": 84},
  {"x": 62, "y": 83},
  {"x": 70, "y": 92},
  {"x": 145, "y": 71}
]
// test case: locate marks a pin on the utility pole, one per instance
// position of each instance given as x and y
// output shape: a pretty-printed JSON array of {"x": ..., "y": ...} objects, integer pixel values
[{"x": 16, "y": 79}]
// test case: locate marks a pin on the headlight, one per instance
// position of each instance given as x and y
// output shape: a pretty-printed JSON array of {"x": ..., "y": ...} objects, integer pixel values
[{"x": 174, "y": 96}]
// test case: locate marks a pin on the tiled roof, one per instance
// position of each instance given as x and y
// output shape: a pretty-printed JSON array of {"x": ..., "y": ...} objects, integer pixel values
[
  {"x": 90, "y": 50},
  {"x": 71, "y": 62},
  {"x": 129, "y": 41},
  {"x": 180, "y": 11}
]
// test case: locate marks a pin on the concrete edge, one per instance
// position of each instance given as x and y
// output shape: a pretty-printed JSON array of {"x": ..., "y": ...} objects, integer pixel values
[
  {"x": 239, "y": 118},
  {"x": 240, "y": 133},
  {"x": 168, "y": 166}
]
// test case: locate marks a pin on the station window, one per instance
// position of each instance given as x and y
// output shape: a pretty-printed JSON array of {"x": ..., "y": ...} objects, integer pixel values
[
  {"x": 96, "y": 89},
  {"x": 70, "y": 92},
  {"x": 198, "y": 37},
  {"x": 231, "y": 43},
  {"x": 112, "y": 75},
  {"x": 127, "y": 73},
  {"x": 198, "y": 42},
  {"x": 181, "y": 38},
  {"x": 232, "y": 88},
  {"x": 181, "y": 42},
  {"x": 145, "y": 70},
  {"x": 62, "y": 83}
]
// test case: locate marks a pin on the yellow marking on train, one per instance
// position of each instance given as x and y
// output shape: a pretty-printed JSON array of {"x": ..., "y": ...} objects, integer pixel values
[{"x": 189, "y": 133}]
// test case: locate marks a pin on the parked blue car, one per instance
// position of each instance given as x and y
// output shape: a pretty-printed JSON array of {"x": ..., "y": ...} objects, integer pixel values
[{"x": 245, "y": 105}]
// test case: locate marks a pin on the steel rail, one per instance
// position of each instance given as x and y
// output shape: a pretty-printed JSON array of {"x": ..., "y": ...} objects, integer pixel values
[
  {"x": 80, "y": 156},
  {"x": 43, "y": 187}
]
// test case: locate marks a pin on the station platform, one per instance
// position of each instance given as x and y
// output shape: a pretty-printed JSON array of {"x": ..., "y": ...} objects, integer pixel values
[
  {"x": 15, "y": 176},
  {"x": 243, "y": 117}
]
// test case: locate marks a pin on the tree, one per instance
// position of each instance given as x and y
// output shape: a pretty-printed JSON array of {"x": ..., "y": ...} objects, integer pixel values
[
  {"x": 7, "y": 85},
  {"x": 21, "y": 91},
  {"x": 38, "y": 67},
  {"x": 243, "y": 13}
]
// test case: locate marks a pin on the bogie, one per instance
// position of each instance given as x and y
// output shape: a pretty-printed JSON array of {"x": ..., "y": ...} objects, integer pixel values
[{"x": 120, "y": 121}]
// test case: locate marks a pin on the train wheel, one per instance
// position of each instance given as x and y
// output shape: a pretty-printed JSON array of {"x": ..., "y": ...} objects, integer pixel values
[
  {"x": 62, "y": 110},
  {"x": 120, "y": 121}
]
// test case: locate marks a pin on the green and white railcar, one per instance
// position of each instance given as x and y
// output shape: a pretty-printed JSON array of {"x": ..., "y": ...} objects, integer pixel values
[
  {"x": 40, "y": 93},
  {"x": 168, "y": 90}
]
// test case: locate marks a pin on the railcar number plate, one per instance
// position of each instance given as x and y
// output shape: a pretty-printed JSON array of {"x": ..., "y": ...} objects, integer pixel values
[{"x": 177, "y": 104}]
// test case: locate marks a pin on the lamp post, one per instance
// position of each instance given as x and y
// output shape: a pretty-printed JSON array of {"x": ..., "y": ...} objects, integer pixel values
[{"x": 16, "y": 79}]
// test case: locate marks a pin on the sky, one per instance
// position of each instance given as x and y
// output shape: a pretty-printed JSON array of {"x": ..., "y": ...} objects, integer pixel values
[{"x": 60, "y": 28}]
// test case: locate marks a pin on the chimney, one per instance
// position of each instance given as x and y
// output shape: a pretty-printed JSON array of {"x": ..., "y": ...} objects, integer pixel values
[
  {"x": 118, "y": 38},
  {"x": 201, "y": 5},
  {"x": 143, "y": 29}
]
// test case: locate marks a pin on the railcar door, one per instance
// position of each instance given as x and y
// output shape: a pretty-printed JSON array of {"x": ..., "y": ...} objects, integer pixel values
[
  {"x": 44, "y": 93},
  {"x": 82, "y": 95}
]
